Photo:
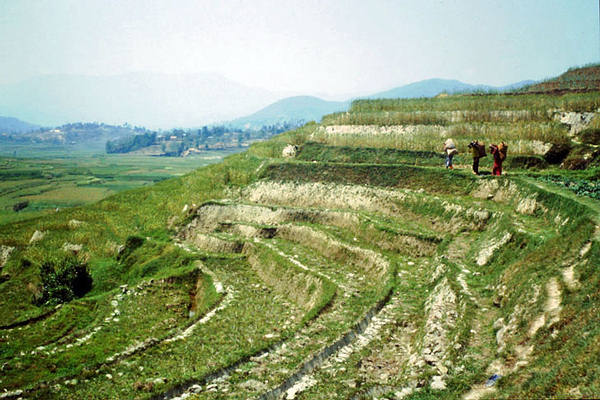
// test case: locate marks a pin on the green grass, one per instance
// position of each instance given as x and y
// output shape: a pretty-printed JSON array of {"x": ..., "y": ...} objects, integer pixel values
[
  {"x": 431, "y": 225},
  {"x": 434, "y": 180},
  {"x": 69, "y": 180}
]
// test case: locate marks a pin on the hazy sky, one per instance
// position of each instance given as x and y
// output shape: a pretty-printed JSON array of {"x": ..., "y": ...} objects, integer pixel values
[{"x": 307, "y": 46}]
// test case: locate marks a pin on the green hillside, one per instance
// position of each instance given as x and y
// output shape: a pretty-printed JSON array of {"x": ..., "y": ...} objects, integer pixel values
[{"x": 353, "y": 267}]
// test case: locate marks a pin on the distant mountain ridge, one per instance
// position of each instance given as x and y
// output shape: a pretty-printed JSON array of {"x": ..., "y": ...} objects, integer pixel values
[
  {"x": 14, "y": 125},
  {"x": 310, "y": 108},
  {"x": 435, "y": 86},
  {"x": 291, "y": 109},
  {"x": 149, "y": 99},
  {"x": 185, "y": 101}
]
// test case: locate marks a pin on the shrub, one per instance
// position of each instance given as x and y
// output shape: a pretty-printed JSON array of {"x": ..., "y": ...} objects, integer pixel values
[
  {"x": 557, "y": 153},
  {"x": 576, "y": 164},
  {"x": 64, "y": 279},
  {"x": 590, "y": 136},
  {"x": 20, "y": 205},
  {"x": 131, "y": 244},
  {"x": 527, "y": 162}
]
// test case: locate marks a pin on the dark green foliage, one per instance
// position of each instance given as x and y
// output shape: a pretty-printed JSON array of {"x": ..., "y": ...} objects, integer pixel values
[
  {"x": 582, "y": 187},
  {"x": 20, "y": 205},
  {"x": 131, "y": 244},
  {"x": 590, "y": 136},
  {"x": 18, "y": 174},
  {"x": 527, "y": 162},
  {"x": 64, "y": 279},
  {"x": 557, "y": 153},
  {"x": 581, "y": 157},
  {"x": 131, "y": 143},
  {"x": 347, "y": 154}
]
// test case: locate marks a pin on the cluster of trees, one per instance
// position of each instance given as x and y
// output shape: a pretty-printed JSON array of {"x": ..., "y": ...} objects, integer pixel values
[
  {"x": 177, "y": 141},
  {"x": 131, "y": 143}
]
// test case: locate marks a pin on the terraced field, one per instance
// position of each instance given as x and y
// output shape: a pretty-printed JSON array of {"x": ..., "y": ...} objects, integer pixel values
[{"x": 346, "y": 272}]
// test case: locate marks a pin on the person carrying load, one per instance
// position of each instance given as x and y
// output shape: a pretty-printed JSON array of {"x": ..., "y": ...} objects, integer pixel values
[
  {"x": 450, "y": 150},
  {"x": 478, "y": 151},
  {"x": 499, "y": 152}
]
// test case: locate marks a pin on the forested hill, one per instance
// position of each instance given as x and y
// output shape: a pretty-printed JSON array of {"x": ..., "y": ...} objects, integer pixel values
[{"x": 89, "y": 133}]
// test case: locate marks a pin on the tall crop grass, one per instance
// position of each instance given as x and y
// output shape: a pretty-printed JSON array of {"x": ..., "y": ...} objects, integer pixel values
[
  {"x": 567, "y": 102},
  {"x": 387, "y": 118},
  {"x": 522, "y": 138}
]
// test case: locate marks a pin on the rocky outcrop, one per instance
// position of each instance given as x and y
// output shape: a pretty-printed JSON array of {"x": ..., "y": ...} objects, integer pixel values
[
  {"x": 72, "y": 248},
  {"x": 486, "y": 254},
  {"x": 577, "y": 121},
  {"x": 290, "y": 151},
  {"x": 37, "y": 236},
  {"x": 74, "y": 223},
  {"x": 441, "y": 319},
  {"x": 5, "y": 254}
]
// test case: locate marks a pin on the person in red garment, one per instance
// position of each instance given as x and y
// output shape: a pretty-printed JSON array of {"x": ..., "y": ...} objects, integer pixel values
[{"x": 499, "y": 154}]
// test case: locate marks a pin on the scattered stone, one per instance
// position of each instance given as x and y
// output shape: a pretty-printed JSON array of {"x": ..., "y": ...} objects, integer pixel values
[
  {"x": 552, "y": 306},
  {"x": 485, "y": 255},
  {"x": 74, "y": 224},
  {"x": 37, "y": 236},
  {"x": 585, "y": 249},
  {"x": 569, "y": 277},
  {"x": 437, "y": 383},
  {"x": 290, "y": 151},
  {"x": 5, "y": 254},
  {"x": 11, "y": 394},
  {"x": 253, "y": 385},
  {"x": 577, "y": 121},
  {"x": 73, "y": 248},
  {"x": 527, "y": 206},
  {"x": 196, "y": 388}
]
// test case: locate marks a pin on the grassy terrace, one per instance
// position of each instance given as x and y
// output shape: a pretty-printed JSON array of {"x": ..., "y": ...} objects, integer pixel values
[{"x": 348, "y": 272}]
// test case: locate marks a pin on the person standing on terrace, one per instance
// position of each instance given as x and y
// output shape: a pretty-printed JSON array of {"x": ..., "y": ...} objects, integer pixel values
[
  {"x": 499, "y": 154},
  {"x": 478, "y": 151},
  {"x": 450, "y": 149}
]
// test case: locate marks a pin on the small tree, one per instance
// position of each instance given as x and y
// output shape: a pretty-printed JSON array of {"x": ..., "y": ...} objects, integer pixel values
[{"x": 64, "y": 279}]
